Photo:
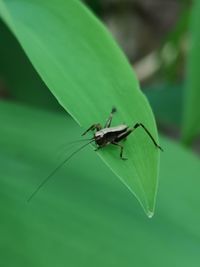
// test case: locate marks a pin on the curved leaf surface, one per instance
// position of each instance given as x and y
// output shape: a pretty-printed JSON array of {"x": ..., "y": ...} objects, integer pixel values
[
  {"x": 82, "y": 218},
  {"x": 88, "y": 74}
]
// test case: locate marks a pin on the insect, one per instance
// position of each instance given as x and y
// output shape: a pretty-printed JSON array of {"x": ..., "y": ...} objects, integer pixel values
[{"x": 102, "y": 137}]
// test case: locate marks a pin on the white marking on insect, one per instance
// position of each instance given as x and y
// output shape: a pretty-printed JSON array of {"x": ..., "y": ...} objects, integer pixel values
[{"x": 104, "y": 131}]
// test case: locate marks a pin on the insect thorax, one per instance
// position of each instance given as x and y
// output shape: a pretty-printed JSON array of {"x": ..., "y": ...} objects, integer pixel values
[{"x": 107, "y": 135}]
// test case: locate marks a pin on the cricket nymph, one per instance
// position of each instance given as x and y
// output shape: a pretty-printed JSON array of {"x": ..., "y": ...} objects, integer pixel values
[
  {"x": 113, "y": 135},
  {"x": 102, "y": 137}
]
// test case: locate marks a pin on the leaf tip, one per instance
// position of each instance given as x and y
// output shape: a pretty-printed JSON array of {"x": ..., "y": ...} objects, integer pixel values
[{"x": 150, "y": 214}]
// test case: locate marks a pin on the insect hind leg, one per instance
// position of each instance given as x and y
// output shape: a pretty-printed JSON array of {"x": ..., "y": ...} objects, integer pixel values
[{"x": 148, "y": 133}]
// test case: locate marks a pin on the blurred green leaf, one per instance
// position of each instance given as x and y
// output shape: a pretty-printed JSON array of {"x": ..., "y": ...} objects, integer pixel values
[
  {"x": 191, "y": 119},
  {"x": 83, "y": 216},
  {"x": 88, "y": 74},
  {"x": 166, "y": 102},
  {"x": 95, "y": 5},
  {"x": 172, "y": 53},
  {"x": 18, "y": 76}
]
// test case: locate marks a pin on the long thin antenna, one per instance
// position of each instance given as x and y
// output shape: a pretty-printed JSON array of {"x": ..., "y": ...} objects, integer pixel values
[
  {"x": 55, "y": 170},
  {"x": 72, "y": 143},
  {"x": 77, "y": 141}
]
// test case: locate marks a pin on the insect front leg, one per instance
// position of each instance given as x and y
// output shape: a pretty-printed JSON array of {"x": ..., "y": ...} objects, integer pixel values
[
  {"x": 109, "y": 120},
  {"x": 92, "y": 128},
  {"x": 121, "y": 149}
]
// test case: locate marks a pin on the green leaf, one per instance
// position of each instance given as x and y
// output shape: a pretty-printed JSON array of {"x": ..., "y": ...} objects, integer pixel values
[
  {"x": 18, "y": 74},
  {"x": 88, "y": 74},
  {"x": 83, "y": 216},
  {"x": 166, "y": 102},
  {"x": 191, "y": 120},
  {"x": 171, "y": 51}
]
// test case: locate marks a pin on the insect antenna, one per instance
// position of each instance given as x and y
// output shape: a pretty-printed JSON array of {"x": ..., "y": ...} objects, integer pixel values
[
  {"x": 56, "y": 169},
  {"x": 78, "y": 141},
  {"x": 72, "y": 143}
]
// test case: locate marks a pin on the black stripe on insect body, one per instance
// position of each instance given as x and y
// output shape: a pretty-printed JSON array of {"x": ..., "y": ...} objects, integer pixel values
[{"x": 108, "y": 135}]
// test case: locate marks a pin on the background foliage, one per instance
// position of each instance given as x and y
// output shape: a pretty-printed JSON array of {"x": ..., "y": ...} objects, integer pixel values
[{"x": 84, "y": 216}]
